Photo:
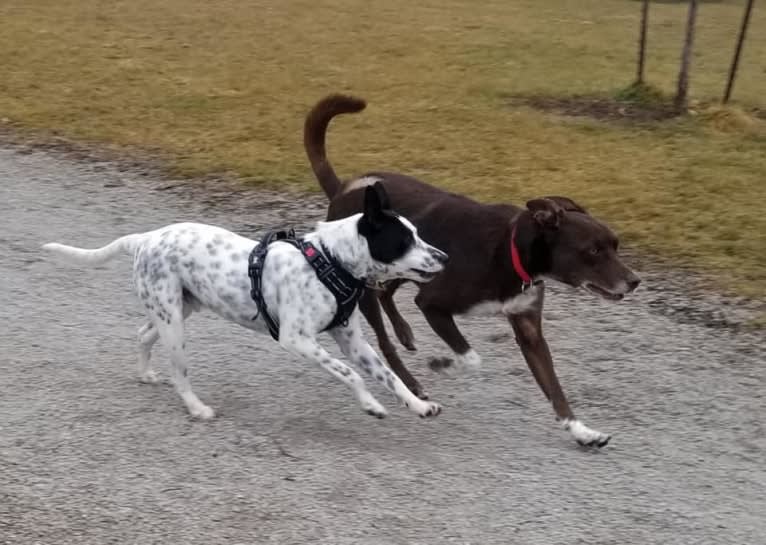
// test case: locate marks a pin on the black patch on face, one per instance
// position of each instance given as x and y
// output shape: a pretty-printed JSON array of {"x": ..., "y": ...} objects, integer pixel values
[{"x": 387, "y": 237}]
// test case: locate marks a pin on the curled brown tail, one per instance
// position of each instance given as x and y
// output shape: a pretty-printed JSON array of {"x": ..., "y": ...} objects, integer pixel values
[{"x": 314, "y": 131}]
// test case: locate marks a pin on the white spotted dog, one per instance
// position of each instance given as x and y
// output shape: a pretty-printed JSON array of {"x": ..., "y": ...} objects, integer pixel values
[{"x": 183, "y": 267}]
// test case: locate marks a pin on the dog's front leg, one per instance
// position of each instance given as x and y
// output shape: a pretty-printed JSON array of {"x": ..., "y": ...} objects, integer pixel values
[
  {"x": 351, "y": 342},
  {"x": 527, "y": 327},
  {"x": 370, "y": 307},
  {"x": 307, "y": 347},
  {"x": 401, "y": 327}
]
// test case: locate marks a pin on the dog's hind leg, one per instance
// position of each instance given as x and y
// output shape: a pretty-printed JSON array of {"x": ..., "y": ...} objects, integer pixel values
[
  {"x": 171, "y": 331},
  {"x": 354, "y": 347},
  {"x": 370, "y": 307},
  {"x": 165, "y": 305},
  {"x": 401, "y": 327},
  {"x": 443, "y": 324},
  {"x": 309, "y": 348},
  {"x": 147, "y": 336}
]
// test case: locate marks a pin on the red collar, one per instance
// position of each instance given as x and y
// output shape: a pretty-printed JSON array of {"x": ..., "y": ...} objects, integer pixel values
[{"x": 516, "y": 260}]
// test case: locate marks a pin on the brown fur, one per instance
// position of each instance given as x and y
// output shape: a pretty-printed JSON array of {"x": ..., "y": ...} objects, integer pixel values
[{"x": 556, "y": 238}]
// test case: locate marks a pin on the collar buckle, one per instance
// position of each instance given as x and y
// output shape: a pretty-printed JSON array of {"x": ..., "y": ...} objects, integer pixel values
[{"x": 525, "y": 286}]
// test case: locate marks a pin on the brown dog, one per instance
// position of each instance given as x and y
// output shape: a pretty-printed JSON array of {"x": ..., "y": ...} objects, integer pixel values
[{"x": 500, "y": 254}]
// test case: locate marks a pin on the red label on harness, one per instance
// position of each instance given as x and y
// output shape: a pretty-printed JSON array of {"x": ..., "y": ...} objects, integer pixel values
[{"x": 310, "y": 252}]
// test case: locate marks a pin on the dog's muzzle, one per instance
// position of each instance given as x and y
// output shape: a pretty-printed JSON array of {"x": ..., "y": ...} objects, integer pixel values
[{"x": 441, "y": 257}]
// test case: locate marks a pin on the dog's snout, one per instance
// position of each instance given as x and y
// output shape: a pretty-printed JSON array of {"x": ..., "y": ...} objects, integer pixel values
[{"x": 439, "y": 256}]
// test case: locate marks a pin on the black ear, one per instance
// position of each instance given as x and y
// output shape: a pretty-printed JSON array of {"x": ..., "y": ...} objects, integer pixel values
[
  {"x": 546, "y": 212},
  {"x": 567, "y": 204},
  {"x": 373, "y": 207},
  {"x": 380, "y": 189}
]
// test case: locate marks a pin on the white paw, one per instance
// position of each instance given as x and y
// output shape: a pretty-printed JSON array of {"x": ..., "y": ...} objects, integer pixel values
[
  {"x": 585, "y": 436},
  {"x": 470, "y": 361},
  {"x": 149, "y": 377},
  {"x": 372, "y": 406},
  {"x": 426, "y": 409},
  {"x": 202, "y": 411}
]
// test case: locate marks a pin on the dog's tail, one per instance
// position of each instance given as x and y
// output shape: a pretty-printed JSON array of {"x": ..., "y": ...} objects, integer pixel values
[
  {"x": 81, "y": 256},
  {"x": 315, "y": 130}
]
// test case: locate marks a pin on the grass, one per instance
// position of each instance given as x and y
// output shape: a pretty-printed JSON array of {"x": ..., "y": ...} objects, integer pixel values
[
  {"x": 223, "y": 87},
  {"x": 642, "y": 93}
]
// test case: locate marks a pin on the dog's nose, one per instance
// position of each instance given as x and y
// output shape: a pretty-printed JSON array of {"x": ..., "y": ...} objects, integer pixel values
[
  {"x": 633, "y": 283},
  {"x": 440, "y": 256}
]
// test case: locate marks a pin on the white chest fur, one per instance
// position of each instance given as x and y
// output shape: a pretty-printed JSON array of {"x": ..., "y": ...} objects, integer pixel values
[{"x": 518, "y": 304}]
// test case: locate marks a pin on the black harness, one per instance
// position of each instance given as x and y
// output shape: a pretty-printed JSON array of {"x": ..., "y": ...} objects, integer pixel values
[{"x": 343, "y": 285}]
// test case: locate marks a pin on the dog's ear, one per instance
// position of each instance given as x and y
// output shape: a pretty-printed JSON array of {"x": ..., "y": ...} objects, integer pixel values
[
  {"x": 546, "y": 212},
  {"x": 380, "y": 189},
  {"x": 567, "y": 204},
  {"x": 373, "y": 206}
]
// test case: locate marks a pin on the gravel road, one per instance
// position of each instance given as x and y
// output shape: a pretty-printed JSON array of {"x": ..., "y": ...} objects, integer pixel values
[{"x": 89, "y": 456}]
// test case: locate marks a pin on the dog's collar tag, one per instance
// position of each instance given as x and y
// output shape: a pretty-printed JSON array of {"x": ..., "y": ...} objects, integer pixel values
[{"x": 526, "y": 280}]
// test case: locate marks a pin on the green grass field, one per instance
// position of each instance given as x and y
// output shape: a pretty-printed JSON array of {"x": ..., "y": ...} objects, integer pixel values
[{"x": 224, "y": 86}]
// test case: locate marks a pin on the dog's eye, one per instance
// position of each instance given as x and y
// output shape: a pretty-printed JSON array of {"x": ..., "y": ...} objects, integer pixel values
[
  {"x": 406, "y": 244},
  {"x": 595, "y": 251}
]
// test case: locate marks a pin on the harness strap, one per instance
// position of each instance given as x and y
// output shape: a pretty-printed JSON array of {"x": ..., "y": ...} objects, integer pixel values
[
  {"x": 346, "y": 288},
  {"x": 255, "y": 272}
]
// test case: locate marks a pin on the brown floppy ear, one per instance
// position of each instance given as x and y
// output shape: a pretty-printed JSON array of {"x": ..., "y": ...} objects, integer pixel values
[
  {"x": 546, "y": 212},
  {"x": 567, "y": 204}
]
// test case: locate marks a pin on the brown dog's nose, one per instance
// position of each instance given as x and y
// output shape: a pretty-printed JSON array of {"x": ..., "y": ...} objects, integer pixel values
[{"x": 633, "y": 283}]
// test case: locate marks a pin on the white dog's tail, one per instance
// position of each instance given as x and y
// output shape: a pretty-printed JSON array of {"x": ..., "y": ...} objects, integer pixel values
[{"x": 81, "y": 256}]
